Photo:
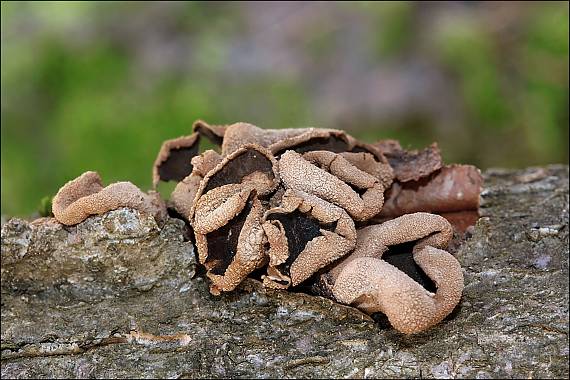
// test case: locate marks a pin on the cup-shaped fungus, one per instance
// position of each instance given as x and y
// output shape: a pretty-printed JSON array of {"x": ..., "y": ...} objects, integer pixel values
[
  {"x": 332, "y": 177},
  {"x": 226, "y": 215},
  {"x": 229, "y": 236},
  {"x": 413, "y": 295},
  {"x": 185, "y": 191},
  {"x": 251, "y": 163},
  {"x": 304, "y": 235},
  {"x": 300, "y": 140},
  {"x": 214, "y": 133},
  {"x": 85, "y": 196},
  {"x": 173, "y": 162}
]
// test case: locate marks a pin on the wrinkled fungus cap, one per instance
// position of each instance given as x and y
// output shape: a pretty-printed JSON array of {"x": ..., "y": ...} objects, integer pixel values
[
  {"x": 333, "y": 178},
  {"x": 229, "y": 236},
  {"x": 251, "y": 163},
  {"x": 279, "y": 140},
  {"x": 305, "y": 234},
  {"x": 85, "y": 196},
  {"x": 370, "y": 280},
  {"x": 226, "y": 215}
]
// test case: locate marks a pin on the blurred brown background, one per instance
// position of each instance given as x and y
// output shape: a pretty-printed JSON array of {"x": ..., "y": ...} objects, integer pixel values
[{"x": 98, "y": 86}]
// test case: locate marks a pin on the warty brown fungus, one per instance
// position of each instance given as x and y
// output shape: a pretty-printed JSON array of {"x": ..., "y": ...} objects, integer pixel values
[
  {"x": 414, "y": 296},
  {"x": 229, "y": 236},
  {"x": 239, "y": 134},
  {"x": 226, "y": 215},
  {"x": 312, "y": 139},
  {"x": 182, "y": 197},
  {"x": 298, "y": 139},
  {"x": 251, "y": 163},
  {"x": 173, "y": 162},
  {"x": 333, "y": 178},
  {"x": 368, "y": 163},
  {"x": 85, "y": 196},
  {"x": 304, "y": 235},
  {"x": 332, "y": 140}
]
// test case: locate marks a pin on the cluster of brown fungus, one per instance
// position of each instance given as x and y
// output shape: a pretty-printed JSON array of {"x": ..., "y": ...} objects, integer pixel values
[{"x": 311, "y": 208}]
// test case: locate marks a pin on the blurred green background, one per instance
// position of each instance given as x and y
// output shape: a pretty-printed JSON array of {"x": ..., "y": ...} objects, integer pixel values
[{"x": 99, "y": 86}]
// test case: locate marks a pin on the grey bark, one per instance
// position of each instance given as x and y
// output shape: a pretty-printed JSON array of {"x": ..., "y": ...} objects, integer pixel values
[{"x": 118, "y": 296}]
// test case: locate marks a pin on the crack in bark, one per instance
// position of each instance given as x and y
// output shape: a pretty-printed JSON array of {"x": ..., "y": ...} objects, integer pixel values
[{"x": 50, "y": 347}]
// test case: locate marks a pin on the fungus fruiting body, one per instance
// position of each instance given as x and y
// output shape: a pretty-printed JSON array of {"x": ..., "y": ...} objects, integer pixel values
[
  {"x": 226, "y": 215},
  {"x": 85, "y": 196},
  {"x": 333, "y": 178},
  {"x": 367, "y": 280},
  {"x": 185, "y": 191},
  {"x": 305, "y": 234},
  {"x": 173, "y": 162},
  {"x": 301, "y": 207}
]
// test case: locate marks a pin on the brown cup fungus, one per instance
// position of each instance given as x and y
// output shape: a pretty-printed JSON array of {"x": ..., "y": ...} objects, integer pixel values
[
  {"x": 304, "y": 234},
  {"x": 295, "y": 216},
  {"x": 173, "y": 162},
  {"x": 234, "y": 248},
  {"x": 413, "y": 295},
  {"x": 182, "y": 197},
  {"x": 226, "y": 215},
  {"x": 332, "y": 177},
  {"x": 285, "y": 202},
  {"x": 300, "y": 140}
]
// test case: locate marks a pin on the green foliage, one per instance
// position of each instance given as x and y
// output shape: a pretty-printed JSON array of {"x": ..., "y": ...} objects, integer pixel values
[{"x": 44, "y": 208}]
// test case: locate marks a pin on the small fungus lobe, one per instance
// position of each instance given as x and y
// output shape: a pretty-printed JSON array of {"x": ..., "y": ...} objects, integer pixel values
[
  {"x": 182, "y": 197},
  {"x": 214, "y": 133},
  {"x": 85, "y": 196},
  {"x": 411, "y": 165}
]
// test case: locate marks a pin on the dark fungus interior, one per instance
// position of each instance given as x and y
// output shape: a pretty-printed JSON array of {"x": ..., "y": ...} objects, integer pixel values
[
  {"x": 214, "y": 134},
  {"x": 241, "y": 166},
  {"x": 402, "y": 258},
  {"x": 299, "y": 230},
  {"x": 177, "y": 165},
  {"x": 362, "y": 149},
  {"x": 222, "y": 243},
  {"x": 356, "y": 189},
  {"x": 332, "y": 144}
]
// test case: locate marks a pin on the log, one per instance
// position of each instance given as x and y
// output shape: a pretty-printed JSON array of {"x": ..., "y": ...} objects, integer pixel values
[{"x": 119, "y": 296}]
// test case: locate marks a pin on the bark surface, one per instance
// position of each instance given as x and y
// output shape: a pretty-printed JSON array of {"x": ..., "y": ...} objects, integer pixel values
[{"x": 119, "y": 296}]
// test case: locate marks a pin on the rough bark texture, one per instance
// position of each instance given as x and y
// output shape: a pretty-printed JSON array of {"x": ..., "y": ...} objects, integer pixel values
[{"x": 116, "y": 296}]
